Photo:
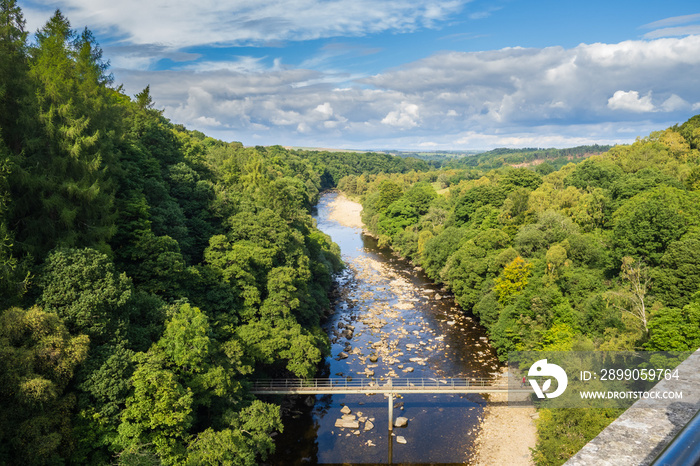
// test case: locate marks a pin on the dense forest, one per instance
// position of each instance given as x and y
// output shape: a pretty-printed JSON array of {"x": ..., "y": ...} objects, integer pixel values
[
  {"x": 599, "y": 255},
  {"x": 147, "y": 272}
]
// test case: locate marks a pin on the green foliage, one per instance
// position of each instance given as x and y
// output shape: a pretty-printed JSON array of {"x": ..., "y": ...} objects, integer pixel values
[
  {"x": 520, "y": 178},
  {"x": 563, "y": 432},
  {"x": 594, "y": 173},
  {"x": 186, "y": 338},
  {"x": 62, "y": 194},
  {"x": 162, "y": 246},
  {"x": 674, "y": 329},
  {"x": 645, "y": 225},
  {"x": 248, "y": 440},
  {"x": 551, "y": 228},
  {"x": 678, "y": 276},
  {"x": 14, "y": 69},
  {"x": 38, "y": 357},
  {"x": 556, "y": 158},
  {"x": 438, "y": 249},
  {"x": 476, "y": 197},
  {"x": 84, "y": 289},
  {"x": 512, "y": 280},
  {"x": 159, "y": 413}
]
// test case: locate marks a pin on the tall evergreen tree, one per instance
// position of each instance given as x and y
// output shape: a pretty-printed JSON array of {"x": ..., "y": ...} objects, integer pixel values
[
  {"x": 13, "y": 73},
  {"x": 62, "y": 194}
]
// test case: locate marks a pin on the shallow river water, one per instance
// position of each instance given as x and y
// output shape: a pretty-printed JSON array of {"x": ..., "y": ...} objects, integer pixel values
[{"x": 411, "y": 328}]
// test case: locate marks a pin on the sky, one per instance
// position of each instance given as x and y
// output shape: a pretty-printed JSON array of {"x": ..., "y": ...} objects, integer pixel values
[{"x": 403, "y": 74}]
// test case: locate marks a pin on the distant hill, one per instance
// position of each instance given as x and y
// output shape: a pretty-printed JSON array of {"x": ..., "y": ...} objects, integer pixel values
[{"x": 527, "y": 156}]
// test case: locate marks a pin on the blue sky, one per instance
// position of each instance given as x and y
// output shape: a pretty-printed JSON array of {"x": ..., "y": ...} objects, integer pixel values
[{"x": 403, "y": 74}]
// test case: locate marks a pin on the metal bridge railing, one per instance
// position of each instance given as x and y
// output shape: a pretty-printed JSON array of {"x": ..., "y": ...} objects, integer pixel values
[{"x": 368, "y": 384}]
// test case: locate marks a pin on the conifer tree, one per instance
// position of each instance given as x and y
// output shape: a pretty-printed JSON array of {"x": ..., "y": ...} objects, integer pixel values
[
  {"x": 62, "y": 194},
  {"x": 13, "y": 73}
]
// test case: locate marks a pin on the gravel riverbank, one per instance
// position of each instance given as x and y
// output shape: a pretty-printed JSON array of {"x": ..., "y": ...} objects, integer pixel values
[{"x": 346, "y": 212}]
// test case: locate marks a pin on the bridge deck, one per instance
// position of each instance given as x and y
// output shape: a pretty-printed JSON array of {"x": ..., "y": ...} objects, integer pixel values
[{"x": 391, "y": 385}]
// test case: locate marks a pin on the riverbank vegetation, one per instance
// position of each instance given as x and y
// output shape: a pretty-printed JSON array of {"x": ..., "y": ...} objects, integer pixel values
[{"x": 599, "y": 255}]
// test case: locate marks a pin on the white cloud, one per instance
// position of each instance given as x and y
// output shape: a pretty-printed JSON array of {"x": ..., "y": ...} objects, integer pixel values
[
  {"x": 631, "y": 102},
  {"x": 325, "y": 109},
  {"x": 406, "y": 116},
  {"x": 449, "y": 98},
  {"x": 183, "y": 23},
  {"x": 673, "y": 21},
  {"x": 677, "y": 31},
  {"x": 674, "y": 103},
  {"x": 671, "y": 27},
  {"x": 241, "y": 64}
]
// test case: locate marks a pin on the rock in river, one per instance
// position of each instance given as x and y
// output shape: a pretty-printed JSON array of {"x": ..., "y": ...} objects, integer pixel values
[
  {"x": 401, "y": 422},
  {"x": 347, "y": 423}
]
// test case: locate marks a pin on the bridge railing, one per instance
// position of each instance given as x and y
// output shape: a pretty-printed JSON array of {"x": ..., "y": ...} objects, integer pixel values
[{"x": 362, "y": 383}]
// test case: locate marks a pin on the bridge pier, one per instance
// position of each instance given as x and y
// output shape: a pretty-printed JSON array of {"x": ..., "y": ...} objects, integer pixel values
[
  {"x": 391, "y": 412},
  {"x": 391, "y": 407}
]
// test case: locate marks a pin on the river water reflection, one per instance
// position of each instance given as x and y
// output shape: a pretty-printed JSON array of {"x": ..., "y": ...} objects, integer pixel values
[{"x": 391, "y": 321}]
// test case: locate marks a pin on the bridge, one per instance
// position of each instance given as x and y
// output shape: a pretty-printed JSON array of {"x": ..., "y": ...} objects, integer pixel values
[
  {"x": 348, "y": 385},
  {"x": 389, "y": 386}
]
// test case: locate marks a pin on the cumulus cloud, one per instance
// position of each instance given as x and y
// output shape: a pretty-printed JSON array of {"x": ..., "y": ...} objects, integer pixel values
[
  {"x": 325, "y": 109},
  {"x": 406, "y": 116},
  {"x": 185, "y": 23},
  {"x": 631, "y": 102}
]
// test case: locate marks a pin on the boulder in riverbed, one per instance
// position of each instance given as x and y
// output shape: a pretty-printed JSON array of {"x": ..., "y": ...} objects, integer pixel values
[
  {"x": 401, "y": 422},
  {"x": 347, "y": 423}
]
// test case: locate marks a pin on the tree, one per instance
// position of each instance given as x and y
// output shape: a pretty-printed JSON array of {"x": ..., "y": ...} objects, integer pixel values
[
  {"x": 14, "y": 87},
  {"x": 158, "y": 414},
  {"x": 563, "y": 432},
  {"x": 465, "y": 272},
  {"x": 595, "y": 172},
  {"x": 247, "y": 441},
  {"x": 388, "y": 193},
  {"x": 677, "y": 278},
  {"x": 674, "y": 329},
  {"x": 84, "y": 289},
  {"x": 631, "y": 299},
  {"x": 38, "y": 357},
  {"x": 646, "y": 224},
  {"x": 476, "y": 197},
  {"x": 512, "y": 280},
  {"x": 556, "y": 259},
  {"x": 62, "y": 193},
  {"x": 520, "y": 178}
]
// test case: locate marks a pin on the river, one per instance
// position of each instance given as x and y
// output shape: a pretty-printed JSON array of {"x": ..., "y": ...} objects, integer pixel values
[{"x": 411, "y": 328}]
